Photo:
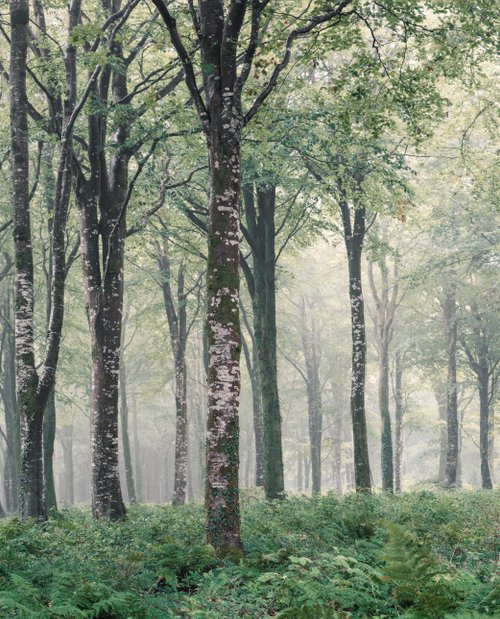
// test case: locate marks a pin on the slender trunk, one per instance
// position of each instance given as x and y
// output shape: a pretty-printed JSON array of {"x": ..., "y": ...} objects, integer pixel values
[
  {"x": 124, "y": 417},
  {"x": 450, "y": 316},
  {"x": 360, "y": 438},
  {"x": 49, "y": 435},
  {"x": 177, "y": 323},
  {"x": 252, "y": 363},
  {"x": 300, "y": 471},
  {"x": 307, "y": 472},
  {"x": 137, "y": 451},
  {"x": 12, "y": 422},
  {"x": 264, "y": 309},
  {"x": 337, "y": 456},
  {"x": 440, "y": 395},
  {"x": 484, "y": 428},
  {"x": 69, "y": 470},
  {"x": 315, "y": 416},
  {"x": 224, "y": 343},
  {"x": 383, "y": 398},
  {"x": 399, "y": 445},
  {"x": 181, "y": 430}
]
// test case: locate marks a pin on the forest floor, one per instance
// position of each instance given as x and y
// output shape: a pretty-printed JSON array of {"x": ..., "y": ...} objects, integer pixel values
[{"x": 421, "y": 554}]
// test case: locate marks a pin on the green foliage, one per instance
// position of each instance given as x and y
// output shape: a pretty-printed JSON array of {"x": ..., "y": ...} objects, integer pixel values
[
  {"x": 416, "y": 577},
  {"x": 416, "y": 555}
]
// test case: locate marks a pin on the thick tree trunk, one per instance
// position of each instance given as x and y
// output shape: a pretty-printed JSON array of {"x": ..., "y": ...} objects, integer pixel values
[
  {"x": 103, "y": 300},
  {"x": 484, "y": 428},
  {"x": 31, "y": 483},
  {"x": 450, "y": 317},
  {"x": 260, "y": 219},
  {"x": 399, "y": 442},
  {"x": 124, "y": 417},
  {"x": 360, "y": 438},
  {"x": 224, "y": 342},
  {"x": 49, "y": 435}
]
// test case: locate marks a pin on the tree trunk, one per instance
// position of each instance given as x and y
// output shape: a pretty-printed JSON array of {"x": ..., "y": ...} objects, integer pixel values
[
  {"x": 177, "y": 322},
  {"x": 337, "y": 456},
  {"x": 224, "y": 342},
  {"x": 315, "y": 415},
  {"x": 300, "y": 471},
  {"x": 104, "y": 305},
  {"x": 31, "y": 414},
  {"x": 49, "y": 435},
  {"x": 354, "y": 244},
  {"x": 399, "y": 444},
  {"x": 383, "y": 398},
  {"x": 260, "y": 219},
  {"x": 137, "y": 450},
  {"x": 12, "y": 423},
  {"x": 124, "y": 417},
  {"x": 440, "y": 395},
  {"x": 450, "y": 317},
  {"x": 484, "y": 428},
  {"x": 69, "y": 470},
  {"x": 252, "y": 362}
]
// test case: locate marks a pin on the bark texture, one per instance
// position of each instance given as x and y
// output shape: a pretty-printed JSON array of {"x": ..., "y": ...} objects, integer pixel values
[
  {"x": 354, "y": 237},
  {"x": 260, "y": 207}
]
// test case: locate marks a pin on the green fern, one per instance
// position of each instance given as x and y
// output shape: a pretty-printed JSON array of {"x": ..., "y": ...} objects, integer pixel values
[{"x": 418, "y": 580}]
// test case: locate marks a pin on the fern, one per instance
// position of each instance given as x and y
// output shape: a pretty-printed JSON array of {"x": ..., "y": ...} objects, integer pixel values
[{"x": 418, "y": 580}]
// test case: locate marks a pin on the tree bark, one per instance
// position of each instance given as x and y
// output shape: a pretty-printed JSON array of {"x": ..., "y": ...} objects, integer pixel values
[
  {"x": 224, "y": 343},
  {"x": 261, "y": 280},
  {"x": 252, "y": 362},
  {"x": 383, "y": 326},
  {"x": 484, "y": 428},
  {"x": 49, "y": 435},
  {"x": 450, "y": 319},
  {"x": 31, "y": 483},
  {"x": 354, "y": 238},
  {"x": 124, "y": 418},
  {"x": 33, "y": 389},
  {"x": 12, "y": 422},
  {"x": 176, "y": 312}
]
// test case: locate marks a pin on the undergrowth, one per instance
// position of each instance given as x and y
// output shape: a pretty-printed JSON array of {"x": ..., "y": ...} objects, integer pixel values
[{"x": 416, "y": 555}]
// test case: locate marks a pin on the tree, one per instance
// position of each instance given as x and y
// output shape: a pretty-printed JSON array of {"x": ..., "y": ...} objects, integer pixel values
[
  {"x": 217, "y": 29},
  {"x": 386, "y": 301},
  {"x": 478, "y": 341}
]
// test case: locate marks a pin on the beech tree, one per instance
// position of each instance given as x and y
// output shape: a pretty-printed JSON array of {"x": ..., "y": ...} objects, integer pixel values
[
  {"x": 35, "y": 386},
  {"x": 217, "y": 26}
]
